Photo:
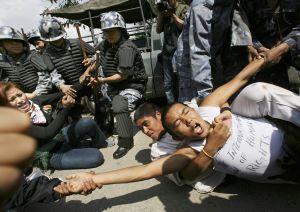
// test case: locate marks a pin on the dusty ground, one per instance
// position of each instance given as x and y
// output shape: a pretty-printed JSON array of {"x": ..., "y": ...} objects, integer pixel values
[{"x": 162, "y": 195}]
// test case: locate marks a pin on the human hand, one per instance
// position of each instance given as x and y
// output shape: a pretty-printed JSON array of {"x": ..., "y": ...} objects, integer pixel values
[
  {"x": 16, "y": 150},
  {"x": 86, "y": 62},
  {"x": 225, "y": 117},
  {"x": 262, "y": 49},
  {"x": 47, "y": 108},
  {"x": 86, "y": 78},
  {"x": 95, "y": 81},
  {"x": 78, "y": 183},
  {"x": 66, "y": 89},
  {"x": 30, "y": 95},
  {"x": 274, "y": 55},
  {"x": 253, "y": 54},
  {"x": 83, "y": 187},
  {"x": 217, "y": 138},
  {"x": 67, "y": 101}
]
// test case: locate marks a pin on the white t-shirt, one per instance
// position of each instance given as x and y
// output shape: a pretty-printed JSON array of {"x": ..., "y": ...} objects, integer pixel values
[
  {"x": 252, "y": 149},
  {"x": 164, "y": 146}
]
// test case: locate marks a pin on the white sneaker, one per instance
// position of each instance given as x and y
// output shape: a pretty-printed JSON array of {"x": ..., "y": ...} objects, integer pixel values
[
  {"x": 111, "y": 141},
  {"x": 36, "y": 172}
]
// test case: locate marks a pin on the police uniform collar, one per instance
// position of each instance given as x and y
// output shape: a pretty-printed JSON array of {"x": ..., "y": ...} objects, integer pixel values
[
  {"x": 116, "y": 45},
  {"x": 67, "y": 46},
  {"x": 16, "y": 59}
]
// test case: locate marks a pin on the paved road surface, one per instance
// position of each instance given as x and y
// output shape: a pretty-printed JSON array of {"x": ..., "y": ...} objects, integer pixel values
[{"x": 162, "y": 195}]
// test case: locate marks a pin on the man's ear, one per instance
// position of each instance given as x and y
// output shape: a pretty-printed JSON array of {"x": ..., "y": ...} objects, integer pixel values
[{"x": 158, "y": 115}]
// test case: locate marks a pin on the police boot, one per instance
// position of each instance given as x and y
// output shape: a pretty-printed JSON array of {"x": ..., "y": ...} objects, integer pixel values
[{"x": 122, "y": 150}]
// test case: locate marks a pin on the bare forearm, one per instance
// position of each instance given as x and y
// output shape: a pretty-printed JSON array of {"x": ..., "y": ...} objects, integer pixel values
[
  {"x": 200, "y": 164},
  {"x": 163, "y": 166},
  {"x": 282, "y": 48},
  {"x": 248, "y": 72},
  {"x": 126, "y": 175},
  {"x": 112, "y": 79},
  {"x": 224, "y": 92}
]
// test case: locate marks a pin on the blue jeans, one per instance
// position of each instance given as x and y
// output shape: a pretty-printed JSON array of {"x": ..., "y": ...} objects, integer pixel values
[
  {"x": 68, "y": 158},
  {"x": 85, "y": 128},
  {"x": 170, "y": 81}
]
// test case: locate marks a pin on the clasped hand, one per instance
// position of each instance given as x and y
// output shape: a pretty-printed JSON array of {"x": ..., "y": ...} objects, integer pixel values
[{"x": 80, "y": 183}]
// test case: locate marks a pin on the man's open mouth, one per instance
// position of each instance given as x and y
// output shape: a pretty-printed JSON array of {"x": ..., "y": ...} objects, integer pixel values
[{"x": 198, "y": 129}]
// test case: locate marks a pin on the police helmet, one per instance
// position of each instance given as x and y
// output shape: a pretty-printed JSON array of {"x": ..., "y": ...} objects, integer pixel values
[
  {"x": 112, "y": 19},
  {"x": 9, "y": 33},
  {"x": 31, "y": 36},
  {"x": 51, "y": 29}
]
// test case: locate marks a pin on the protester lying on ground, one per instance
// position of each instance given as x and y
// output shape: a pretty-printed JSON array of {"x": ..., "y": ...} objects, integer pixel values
[
  {"x": 175, "y": 162},
  {"x": 59, "y": 147},
  {"x": 148, "y": 119},
  {"x": 196, "y": 128},
  {"x": 16, "y": 150}
]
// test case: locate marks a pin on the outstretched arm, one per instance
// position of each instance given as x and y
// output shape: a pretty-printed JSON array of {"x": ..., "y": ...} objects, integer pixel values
[
  {"x": 220, "y": 96},
  {"x": 163, "y": 166}
]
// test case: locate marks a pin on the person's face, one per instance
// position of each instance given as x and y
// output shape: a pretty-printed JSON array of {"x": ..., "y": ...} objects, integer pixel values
[
  {"x": 13, "y": 47},
  {"x": 186, "y": 123},
  {"x": 17, "y": 99},
  {"x": 39, "y": 44},
  {"x": 151, "y": 126},
  {"x": 112, "y": 35}
]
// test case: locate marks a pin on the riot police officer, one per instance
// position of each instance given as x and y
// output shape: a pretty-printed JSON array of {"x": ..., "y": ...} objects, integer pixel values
[
  {"x": 63, "y": 55},
  {"x": 124, "y": 72},
  {"x": 34, "y": 38},
  {"x": 19, "y": 65}
]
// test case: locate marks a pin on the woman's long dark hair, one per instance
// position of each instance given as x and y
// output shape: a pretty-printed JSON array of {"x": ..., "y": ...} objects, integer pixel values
[{"x": 4, "y": 87}]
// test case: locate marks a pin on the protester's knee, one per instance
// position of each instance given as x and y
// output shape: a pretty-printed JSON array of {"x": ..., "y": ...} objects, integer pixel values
[
  {"x": 95, "y": 158},
  {"x": 87, "y": 123},
  {"x": 256, "y": 92},
  {"x": 120, "y": 104}
]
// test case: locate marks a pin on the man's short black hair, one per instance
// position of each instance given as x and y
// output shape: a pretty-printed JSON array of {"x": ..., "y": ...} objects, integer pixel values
[
  {"x": 146, "y": 109},
  {"x": 164, "y": 112}
]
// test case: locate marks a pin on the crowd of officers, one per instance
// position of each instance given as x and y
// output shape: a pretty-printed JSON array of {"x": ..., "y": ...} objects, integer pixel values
[
  {"x": 234, "y": 33},
  {"x": 59, "y": 64}
]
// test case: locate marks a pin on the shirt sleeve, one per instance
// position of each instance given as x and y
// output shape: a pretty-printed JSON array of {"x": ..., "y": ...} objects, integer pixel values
[
  {"x": 48, "y": 132},
  {"x": 44, "y": 84},
  {"x": 56, "y": 78},
  {"x": 293, "y": 38},
  {"x": 199, "y": 44}
]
